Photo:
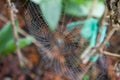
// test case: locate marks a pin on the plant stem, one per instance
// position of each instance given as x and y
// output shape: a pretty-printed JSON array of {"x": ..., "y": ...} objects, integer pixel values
[
  {"x": 111, "y": 54},
  {"x": 15, "y": 33}
]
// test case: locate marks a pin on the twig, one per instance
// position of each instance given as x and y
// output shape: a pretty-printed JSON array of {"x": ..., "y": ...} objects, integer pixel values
[
  {"x": 15, "y": 34},
  {"x": 111, "y": 54},
  {"x": 37, "y": 43},
  {"x": 101, "y": 22},
  {"x": 115, "y": 28},
  {"x": 99, "y": 46},
  {"x": 85, "y": 53}
]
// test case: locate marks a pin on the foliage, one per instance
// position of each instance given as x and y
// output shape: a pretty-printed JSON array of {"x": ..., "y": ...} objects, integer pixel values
[
  {"x": 7, "y": 42},
  {"x": 82, "y": 7},
  {"x": 86, "y": 77},
  {"x": 52, "y": 9}
]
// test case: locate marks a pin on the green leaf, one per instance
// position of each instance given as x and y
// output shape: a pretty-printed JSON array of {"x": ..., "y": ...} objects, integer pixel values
[
  {"x": 6, "y": 40},
  {"x": 86, "y": 77},
  {"x": 82, "y": 7},
  {"x": 5, "y": 34},
  {"x": 10, "y": 46},
  {"x": 78, "y": 1},
  {"x": 51, "y": 10},
  {"x": 75, "y": 9}
]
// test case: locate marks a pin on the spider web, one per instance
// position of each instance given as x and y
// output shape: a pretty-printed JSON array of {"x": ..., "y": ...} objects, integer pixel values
[{"x": 68, "y": 62}]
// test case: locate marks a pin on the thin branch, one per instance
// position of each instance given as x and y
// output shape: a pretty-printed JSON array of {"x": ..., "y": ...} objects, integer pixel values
[
  {"x": 36, "y": 42},
  {"x": 101, "y": 22},
  {"x": 89, "y": 49},
  {"x": 99, "y": 46},
  {"x": 111, "y": 54},
  {"x": 12, "y": 11},
  {"x": 115, "y": 28}
]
